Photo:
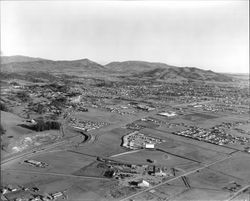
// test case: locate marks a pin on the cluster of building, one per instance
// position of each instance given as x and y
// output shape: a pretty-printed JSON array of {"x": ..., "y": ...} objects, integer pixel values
[
  {"x": 171, "y": 125},
  {"x": 121, "y": 109},
  {"x": 229, "y": 125},
  {"x": 207, "y": 107},
  {"x": 130, "y": 90},
  {"x": 36, "y": 163},
  {"x": 148, "y": 122},
  {"x": 232, "y": 187},
  {"x": 216, "y": 135},
  {"x": 21, "y": 193},
  {"x": 221, "y": 106},
  {"x": 145, "y": 107},
  {"x": 137, "y": 140},
  {"x": 134, "y": 126},
  {"x": 135, "y": 175},
  {"x": 86, "y": 124},
  {"x": 49, "y": 99},
  {"x": 153, "y": 120}
]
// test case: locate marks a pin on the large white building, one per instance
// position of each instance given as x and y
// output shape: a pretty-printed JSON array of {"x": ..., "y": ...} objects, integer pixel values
[
  {"x": 167, "y": 114},
  {"x": 149, "y": 146},
  {"x": 143, "y": 183}
]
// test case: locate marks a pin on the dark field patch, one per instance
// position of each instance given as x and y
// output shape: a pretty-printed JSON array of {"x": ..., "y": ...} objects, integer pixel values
[
  {"x": 95, "y": 169},
  {"x": 198, "y": 117}
]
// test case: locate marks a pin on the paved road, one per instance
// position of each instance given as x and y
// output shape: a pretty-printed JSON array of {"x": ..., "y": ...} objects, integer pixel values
[
  {"x": 40, "y": 149},
  {"x": 177, "y": 177},
  {"x": 34, "y": 151},
  {"x": 124, "y": 153},
  {"x": 238, "y": 192}
]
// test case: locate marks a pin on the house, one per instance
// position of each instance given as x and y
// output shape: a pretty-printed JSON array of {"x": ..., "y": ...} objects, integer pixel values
[
  {"x": 151, "y": 169},
  {"x": 159, "y": 172}
]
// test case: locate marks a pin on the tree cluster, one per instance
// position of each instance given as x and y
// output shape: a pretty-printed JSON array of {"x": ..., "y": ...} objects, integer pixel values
[
  {"x": 23, "y": 96},
  {"x": 3, "y": 107},
  {"x": 2, "y": 130},
  {"x": 43, "y": 125}
]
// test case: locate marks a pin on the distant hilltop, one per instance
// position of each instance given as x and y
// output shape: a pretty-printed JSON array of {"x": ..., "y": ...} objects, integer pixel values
[
  {"x": 133, "y": 69},
  {"x": 18, "y": 58}
]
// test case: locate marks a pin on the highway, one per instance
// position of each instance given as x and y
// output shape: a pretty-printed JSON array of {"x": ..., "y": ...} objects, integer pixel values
[{"x": 35, "y": 151}]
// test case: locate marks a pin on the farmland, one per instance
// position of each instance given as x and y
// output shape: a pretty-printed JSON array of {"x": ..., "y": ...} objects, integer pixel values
[{"x": 123, "y": 138}]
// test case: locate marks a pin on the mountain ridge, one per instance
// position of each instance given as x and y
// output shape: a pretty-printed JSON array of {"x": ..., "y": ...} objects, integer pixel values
[
  {"x": 18, "y": 58},
  {"x": 132, "y": 69}
]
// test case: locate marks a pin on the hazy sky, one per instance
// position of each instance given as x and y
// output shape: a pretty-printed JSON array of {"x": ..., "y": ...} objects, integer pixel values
[{"x": 205, "y": 34}]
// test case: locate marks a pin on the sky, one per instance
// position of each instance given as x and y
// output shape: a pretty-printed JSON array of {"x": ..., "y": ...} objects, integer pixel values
[{"x": 211, "y": 35}]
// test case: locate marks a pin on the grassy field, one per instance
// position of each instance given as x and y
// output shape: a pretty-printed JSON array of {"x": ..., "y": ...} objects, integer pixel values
[
  {"x": 199, "y": 117},
  {"x": 237, "y": 166},
  {"x": 10, "y": 123},
  {"x": 56, "y": 161},
  {"x": 100, "y": 116},
  {"x": 105, "y": 143},
  {"x": 160, "y": 158},
  {"x": 76, "y": 189}
]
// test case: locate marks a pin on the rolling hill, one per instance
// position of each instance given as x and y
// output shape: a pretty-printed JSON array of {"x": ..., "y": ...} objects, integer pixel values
[
  {"x": 18, "y": 58},
  {"x": 135, "y": 66},
  {"x": 161, "y": 71},
  {"x": 126, "y": 69},
  {"x": 51, "y": 66},
  {"x": 184, "y": 74}
]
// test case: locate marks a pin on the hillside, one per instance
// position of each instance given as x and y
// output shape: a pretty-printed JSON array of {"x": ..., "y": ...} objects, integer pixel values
[
  {"x": 126, "y": 69},
  {"x": 135, "y": 66},
  {"x": 51, "y": 66},
  {"x": 161, "y": 71},
  {"x": 184, "y": 74},
  {"x": 18, "y": 58}
]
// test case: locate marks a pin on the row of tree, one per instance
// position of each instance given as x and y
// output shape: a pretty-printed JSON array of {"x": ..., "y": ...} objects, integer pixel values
[{"x": 43, "y": 125}]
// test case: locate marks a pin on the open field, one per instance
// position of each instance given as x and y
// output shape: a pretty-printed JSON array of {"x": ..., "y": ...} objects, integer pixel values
[
  {"x": 56, "y": 160},
  {"x": 199, "y": 117},
  {"x": 100, "y": 116},
  {"x": 233, "y": 168},
  {"x": 10, "y": 123},
  {"x": 101, "y": 143},
  {"x": 75, "y": 188},
  {"x": 159, "y": 157}
]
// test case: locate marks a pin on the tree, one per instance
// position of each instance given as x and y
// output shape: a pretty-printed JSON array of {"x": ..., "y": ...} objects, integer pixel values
[
  {"x": 2, "y": 130},
  {"x": 23, "y": 96},
  {"x": 3, "y": 107}
]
